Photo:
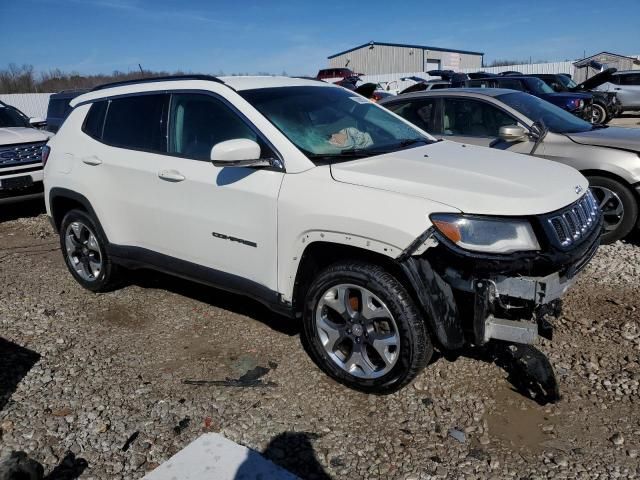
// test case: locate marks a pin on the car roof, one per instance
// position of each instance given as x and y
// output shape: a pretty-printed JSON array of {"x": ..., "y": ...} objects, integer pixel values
[
  {"x": 487, "y": 92},
  {"x": 624, "y": 72},
  {"x": 193, "y": 82}
]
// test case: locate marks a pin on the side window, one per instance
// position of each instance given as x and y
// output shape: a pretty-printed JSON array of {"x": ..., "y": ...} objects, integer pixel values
[
  {"x": 439, "y": 86},
  {"x": 630, "y": 79},
  {"x": 94, "y": 121},
  {"x": 512, "y": 84},
  {"x": 197, "y": 122},
  {"x": 472, "y": 118},
  {"x": 422, "y": 113},
  {"x": 137, "y": 123}
]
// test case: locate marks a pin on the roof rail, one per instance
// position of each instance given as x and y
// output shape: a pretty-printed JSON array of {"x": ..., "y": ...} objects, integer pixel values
[{"x": 210, "y": 78}]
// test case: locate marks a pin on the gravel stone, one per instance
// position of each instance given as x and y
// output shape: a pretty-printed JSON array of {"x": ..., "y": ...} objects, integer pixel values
[{"x": 87, "y": 371}]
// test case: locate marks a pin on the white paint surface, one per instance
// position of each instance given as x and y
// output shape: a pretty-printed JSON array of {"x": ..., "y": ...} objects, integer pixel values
[{"x": 213, "y": 457}]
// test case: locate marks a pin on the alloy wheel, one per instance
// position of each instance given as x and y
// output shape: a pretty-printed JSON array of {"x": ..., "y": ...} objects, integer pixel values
[
  {"x": 357, "y": 331},
  {"x": 598, "y": 115},
  {"x": 83, "y": 251},
  {"x": 611, "y": 206}
]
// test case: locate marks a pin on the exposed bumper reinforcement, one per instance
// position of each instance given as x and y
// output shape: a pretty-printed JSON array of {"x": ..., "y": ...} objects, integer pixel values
[{"x": 516, "y": 331}]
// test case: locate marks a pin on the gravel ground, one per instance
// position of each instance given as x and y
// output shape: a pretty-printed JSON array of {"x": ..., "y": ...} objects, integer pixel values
[{"x": 103, "y": 377}]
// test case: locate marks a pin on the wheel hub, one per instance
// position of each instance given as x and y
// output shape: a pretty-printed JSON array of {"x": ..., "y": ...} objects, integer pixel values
[
  {"x": 83, "y": 251},
  {"x": 357, "y": 331}
]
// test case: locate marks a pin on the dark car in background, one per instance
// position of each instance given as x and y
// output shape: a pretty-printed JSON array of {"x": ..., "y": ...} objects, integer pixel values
[
  {"x": 606, "y": 105},
  {"x": 59, "y": 108},
  {"x": 579, "y": 104},
  {"x": 337, "y": 73}
]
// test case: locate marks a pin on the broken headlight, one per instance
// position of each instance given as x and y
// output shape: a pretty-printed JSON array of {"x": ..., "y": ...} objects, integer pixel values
[{"x": 486, "y": 234}]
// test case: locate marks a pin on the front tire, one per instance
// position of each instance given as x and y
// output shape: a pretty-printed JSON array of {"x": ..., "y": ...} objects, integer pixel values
[
  {"x": 599, "y": 115},
  {"x": 619, "y": 207},
  {"x": 362, "y": 328},
  {"x": 85, "y": 254}
]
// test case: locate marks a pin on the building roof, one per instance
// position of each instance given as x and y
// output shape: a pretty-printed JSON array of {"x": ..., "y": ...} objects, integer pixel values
[
  {"x": 423, "y": 47},
  {"x": 586, "y": 60}
]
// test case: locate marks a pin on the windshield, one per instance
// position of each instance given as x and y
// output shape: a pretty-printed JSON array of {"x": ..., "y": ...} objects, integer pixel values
[
  {"x": 10, "y": 117},
  {"x": 330, "y": 123},
  {"x": 555, "y": 119},
  {"x": 538, "y": 86},
  {"x": 567, "y": 82}
]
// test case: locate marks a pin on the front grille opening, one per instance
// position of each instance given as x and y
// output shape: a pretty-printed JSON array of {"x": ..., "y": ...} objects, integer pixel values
[{"x": 575, "y": 222}]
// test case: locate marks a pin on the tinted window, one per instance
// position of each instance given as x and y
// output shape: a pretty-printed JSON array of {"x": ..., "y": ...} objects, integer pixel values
[
  {"x": 421, "y": 113},
  {"x": 95, "y": 120},
  {"x": 11, "y": 117},
  {"x": 630, "y": 79},
  {"x": 512, "y": 84},
  {"x": 56, "y": 108},
  {"x": 136, "y": 123},
  {"x": 438, "y": 86},
  {"x": 197, "y": 122},
  {"x": 473, "y": 118}
]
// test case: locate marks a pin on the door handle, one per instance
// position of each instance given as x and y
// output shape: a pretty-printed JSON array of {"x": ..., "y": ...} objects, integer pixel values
[
  {"x": 171, "y": 175},
  {"x": 92, "y": 160}
]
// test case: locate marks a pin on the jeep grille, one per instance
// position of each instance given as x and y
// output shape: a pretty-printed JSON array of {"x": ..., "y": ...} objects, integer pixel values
[
  {"x": 575, "y": 222},
  {"x": 23, "y": 154}
]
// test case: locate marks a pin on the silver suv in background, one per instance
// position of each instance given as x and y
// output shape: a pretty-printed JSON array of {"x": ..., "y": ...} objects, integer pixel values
[{"x": 626, "y": 86}]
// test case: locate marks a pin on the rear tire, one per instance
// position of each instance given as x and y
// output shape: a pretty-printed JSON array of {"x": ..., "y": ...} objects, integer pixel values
[
  {"x": 362, "y": 328},
  {"x": 85, "y": 254},
  {"x": 619, "y": 207}
]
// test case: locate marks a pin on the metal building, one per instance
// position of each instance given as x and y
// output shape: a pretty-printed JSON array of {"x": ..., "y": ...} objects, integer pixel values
[
  {"x": 586, "y": 68},
  {"x": 378, "y": 57}
]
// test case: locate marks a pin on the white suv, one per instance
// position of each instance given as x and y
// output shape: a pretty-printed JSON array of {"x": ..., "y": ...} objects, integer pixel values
[
  {"x": 323, "y": 206},
  {"x": 20, "y": 156}
]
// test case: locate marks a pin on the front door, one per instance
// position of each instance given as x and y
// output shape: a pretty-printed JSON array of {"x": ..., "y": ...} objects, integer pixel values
[
  {"x": 468, "y": 120},
  {"x": 220, "y": 217}
]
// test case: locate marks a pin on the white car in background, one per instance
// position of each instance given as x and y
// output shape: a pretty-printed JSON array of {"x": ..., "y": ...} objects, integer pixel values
[{"x": 20, "y": 155}]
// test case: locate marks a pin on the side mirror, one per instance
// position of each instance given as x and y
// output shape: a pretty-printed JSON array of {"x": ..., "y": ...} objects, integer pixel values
[
  {"x": 512, "y": 133},
  {"x": 37, "y": 122},
  {"x": 239, "y": 152}
]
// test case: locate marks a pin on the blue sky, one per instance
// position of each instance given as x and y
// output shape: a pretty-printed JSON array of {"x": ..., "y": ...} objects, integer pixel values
[{"x": 92, "y": 36}]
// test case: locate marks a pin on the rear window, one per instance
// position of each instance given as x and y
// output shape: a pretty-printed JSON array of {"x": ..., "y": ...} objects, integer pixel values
[
  {"x": 94, "y": 121},
  {"x": 57, "y": 108},
  {"x": 137, "y": 123}
]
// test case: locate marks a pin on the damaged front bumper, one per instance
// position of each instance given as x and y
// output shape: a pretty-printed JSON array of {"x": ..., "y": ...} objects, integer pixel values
[{"x": 470, "y": 299}]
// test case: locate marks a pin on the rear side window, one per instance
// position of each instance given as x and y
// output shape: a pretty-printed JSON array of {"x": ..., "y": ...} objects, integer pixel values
[
  {"x": 57, "y": 108},
  {"x": 422, "y": 113},
  {"x": 512, "y": 84},
  {"x": 630, "y": 79},
  {"x": 94, "y": 121},
  {"x": 137, "y": 123}
]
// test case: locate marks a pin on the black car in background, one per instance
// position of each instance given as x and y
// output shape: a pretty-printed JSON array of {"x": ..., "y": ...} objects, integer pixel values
[
  {"x": 579, "y": 104},
  {"x": 59, "y": 108},
  {"x": 605, "y": 104}
]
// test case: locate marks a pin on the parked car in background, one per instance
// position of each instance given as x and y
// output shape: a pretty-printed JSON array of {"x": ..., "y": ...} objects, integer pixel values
[
  {"x": 59, "y": 108},
  {"x": 336, "y": 74},
  {"x": 20, "y": 155},
  {"x": 579, "y": 104},
  {"x": 508, "y": 120},
  {"x": 422, "y": 84},
  {"x": 605, "y": 104},
  {"x": 323, "y": 206},
  {"x": 626, "y": 86}
]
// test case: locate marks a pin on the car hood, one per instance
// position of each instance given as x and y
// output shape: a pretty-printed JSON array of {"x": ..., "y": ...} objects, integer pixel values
[
  {"x": 595, "y": 81},
  {"x": 472, "y": 179},
  {"x": 13, "y": 135},
  {"x": 614, "y": 137}
]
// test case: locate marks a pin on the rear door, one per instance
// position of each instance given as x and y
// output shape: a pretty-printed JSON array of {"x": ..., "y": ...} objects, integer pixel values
[{"x": 628, "y": 89}]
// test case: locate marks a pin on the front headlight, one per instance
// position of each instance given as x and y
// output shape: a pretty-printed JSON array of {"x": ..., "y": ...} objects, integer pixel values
[{"x": 490, "y": 235}]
